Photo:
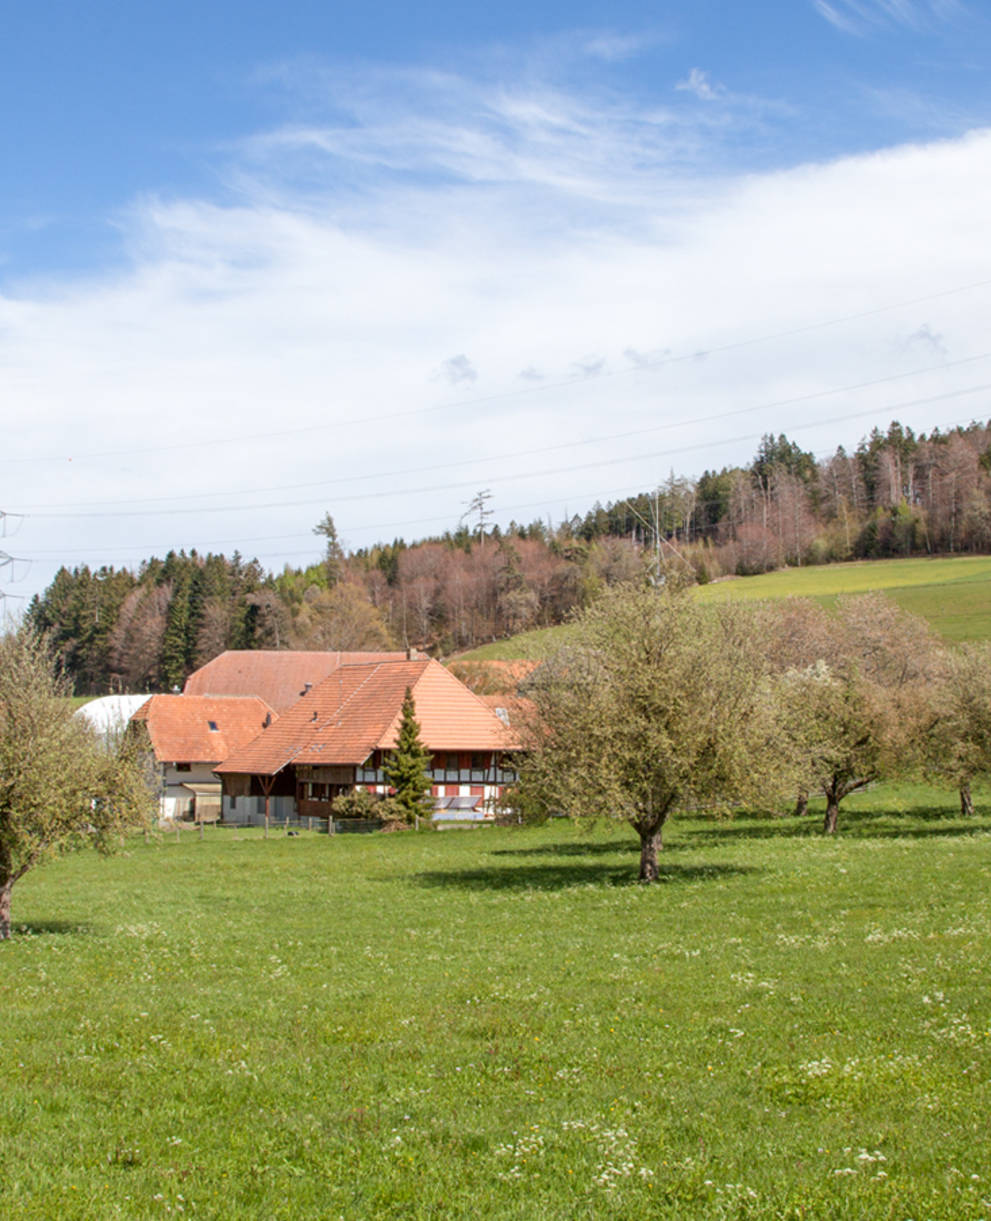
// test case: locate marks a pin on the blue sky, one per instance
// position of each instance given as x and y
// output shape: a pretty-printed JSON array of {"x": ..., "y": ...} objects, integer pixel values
[{"x": 257, "y": 265}]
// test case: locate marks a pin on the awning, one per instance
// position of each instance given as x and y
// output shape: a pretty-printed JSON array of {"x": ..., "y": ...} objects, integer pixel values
[{"x": 207, "y": 803}]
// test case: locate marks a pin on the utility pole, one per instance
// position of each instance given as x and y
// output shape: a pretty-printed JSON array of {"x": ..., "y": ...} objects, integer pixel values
[
  {"x": 8, "y": 563},
  {"x": 654, "y": 527},
  {"x": 478, "y": 504}
]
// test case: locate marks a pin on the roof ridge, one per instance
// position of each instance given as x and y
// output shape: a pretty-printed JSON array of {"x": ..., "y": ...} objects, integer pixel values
[{"x": 474, "y": 694}]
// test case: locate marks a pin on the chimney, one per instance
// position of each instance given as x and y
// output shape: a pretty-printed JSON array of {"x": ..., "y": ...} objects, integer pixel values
[{"x": 307, "y": 688}]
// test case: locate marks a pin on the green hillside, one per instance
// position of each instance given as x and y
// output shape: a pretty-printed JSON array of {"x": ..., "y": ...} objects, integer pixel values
[{"x": 953, "y": 593}]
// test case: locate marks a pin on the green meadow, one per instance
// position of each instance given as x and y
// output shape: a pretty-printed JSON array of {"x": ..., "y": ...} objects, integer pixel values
[
  {"x": 952, "y": 592},
  {"x": 500, "y": 1023}
]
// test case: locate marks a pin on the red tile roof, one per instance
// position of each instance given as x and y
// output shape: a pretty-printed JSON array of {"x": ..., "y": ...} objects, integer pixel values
[
  {"x": 179, "y": 725},
  {"x": 277, "y": 676},
  {"x": 358, "y": 708}
]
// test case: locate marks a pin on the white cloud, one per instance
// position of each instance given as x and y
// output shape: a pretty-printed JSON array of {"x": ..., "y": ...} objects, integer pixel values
[
  {"x": 860, "y": 16},
  {"x": 698, "y": 82},
  {"x": 458, "y": 371},
  {"x": 614, "y": 48},
  {"x": 928, "y": 339},
  {"x": 274, "y": 357}
]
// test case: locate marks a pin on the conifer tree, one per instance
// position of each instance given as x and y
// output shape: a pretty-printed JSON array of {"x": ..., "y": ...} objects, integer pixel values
[{"x": 406, "y": 767}]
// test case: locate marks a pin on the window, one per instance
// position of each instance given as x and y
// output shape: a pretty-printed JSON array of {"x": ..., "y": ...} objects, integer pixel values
[
  {"x": 183, "y": 767},
  {"x": 213, "y": 726}
]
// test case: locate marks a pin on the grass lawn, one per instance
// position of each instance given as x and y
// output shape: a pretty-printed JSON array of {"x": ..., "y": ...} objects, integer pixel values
[{"x": 501, "y": 1024}]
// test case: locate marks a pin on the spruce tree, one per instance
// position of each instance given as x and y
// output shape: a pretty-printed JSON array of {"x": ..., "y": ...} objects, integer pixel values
[{"x": 406, "y": 767}]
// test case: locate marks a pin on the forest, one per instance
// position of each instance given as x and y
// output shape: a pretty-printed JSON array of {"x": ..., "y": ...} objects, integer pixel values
[{"x": 896, "y": 494}]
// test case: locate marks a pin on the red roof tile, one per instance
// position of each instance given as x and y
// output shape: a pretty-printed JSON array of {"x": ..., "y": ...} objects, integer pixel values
[
  {"x": 179, "y": 726},
  {"x": 358, "y": 708},
  {"x": 277, "y": 676}
]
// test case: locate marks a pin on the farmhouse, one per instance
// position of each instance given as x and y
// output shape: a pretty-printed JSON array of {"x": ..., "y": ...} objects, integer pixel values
[
  {"x": 189, "y": 735},
  {"x": 335, "y": 737},
  {"x": 279, "y": 677}
]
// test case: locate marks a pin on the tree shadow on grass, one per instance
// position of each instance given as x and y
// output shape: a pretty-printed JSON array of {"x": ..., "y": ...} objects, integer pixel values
[
  {"x": 717, "y": 832},
  {"x": 585, "y": 848},
  {"x": 49, "y": 928},
  {"x": 854, "y": 824},
  {"x": 564, "y": 876}
]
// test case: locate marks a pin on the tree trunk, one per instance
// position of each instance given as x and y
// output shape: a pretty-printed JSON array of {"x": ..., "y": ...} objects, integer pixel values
[
  {"x": 650, "y": 845},
  {"x": 966, "y": 801},
  {"x": 832, "y": 814},
  {"x": 5, "y": 890},
  {"x": 801, "y": 803}
]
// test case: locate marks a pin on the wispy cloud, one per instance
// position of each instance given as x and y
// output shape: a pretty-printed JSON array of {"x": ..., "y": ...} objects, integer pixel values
[
  {"x": 438, "y": 256},
  {"x": 698, "y": 82},
  {"x": 860, "y": 16},
  {"x": 415, "y": 127},
  {"x": 930, "y": 340},
  {"x": 615, "y": 48},
  {"x": 458, "y": 371}
]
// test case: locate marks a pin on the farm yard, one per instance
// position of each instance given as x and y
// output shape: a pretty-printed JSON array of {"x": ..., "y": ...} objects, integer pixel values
[{"x": 501, "y": 1023}]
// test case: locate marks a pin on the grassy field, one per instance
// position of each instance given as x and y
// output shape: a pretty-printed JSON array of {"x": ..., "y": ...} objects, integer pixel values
[
  {"x": 502, "y": 1024},
  {"x": 953, "y": 593}
]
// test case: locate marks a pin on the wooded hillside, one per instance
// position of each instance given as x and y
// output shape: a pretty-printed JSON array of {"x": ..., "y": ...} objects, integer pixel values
[{"x": 897, "y": 494}]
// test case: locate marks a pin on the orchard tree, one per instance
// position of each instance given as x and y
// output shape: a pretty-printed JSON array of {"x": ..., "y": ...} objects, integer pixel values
[
  {"x": 656, "y": 704},
  {"x": 959, "y": 740},
  {"x": 61, "y": 786},
  {"x": 406, "y": 767},
  {"x": 855, "y": 699}
]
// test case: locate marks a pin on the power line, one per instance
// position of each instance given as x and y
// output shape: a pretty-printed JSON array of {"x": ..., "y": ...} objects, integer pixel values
[
  {"x": 667, "y": 426},
  {"x": 583, "y": 379},
  {"x": 622, "y": 493},
  {"x": 9, "y": 562},
  {"x": 512, "y": 478}
]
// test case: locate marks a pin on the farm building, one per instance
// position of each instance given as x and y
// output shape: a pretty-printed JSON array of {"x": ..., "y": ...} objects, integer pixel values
[
  {"x": 279, "y": 677},
  {"x": 335, "y": 737},
  {"x": 189, "y": 735},
  {"x": 109, "y": 714}
]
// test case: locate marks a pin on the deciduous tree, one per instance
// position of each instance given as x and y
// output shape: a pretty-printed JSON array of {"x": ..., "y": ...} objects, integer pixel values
[
  {"x": 855, "y": 698},
  {"x": 61, "y": 787},
  {"x": 655, "y": 705},
  {"x": 959, "y": 740}
]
